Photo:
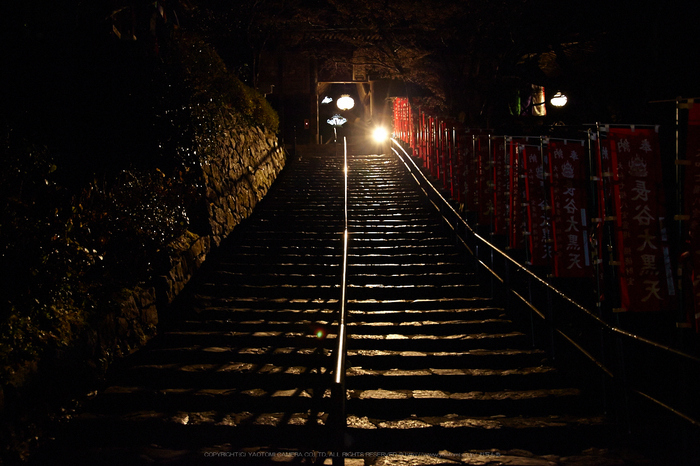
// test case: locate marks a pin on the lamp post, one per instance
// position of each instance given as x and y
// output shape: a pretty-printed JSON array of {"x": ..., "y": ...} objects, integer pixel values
[{"x": 335, "y": 121}]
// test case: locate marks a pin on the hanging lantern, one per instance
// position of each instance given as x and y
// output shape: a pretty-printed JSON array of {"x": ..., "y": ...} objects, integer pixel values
[
  {"x": 559, "y": 99},
  {"x": 345, "y": 102}
]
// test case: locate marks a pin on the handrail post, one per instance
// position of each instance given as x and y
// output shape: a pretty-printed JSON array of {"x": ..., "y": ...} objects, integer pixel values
[
  {"x": 338, "y": 392},
  {"x": 551, "y": 325}
]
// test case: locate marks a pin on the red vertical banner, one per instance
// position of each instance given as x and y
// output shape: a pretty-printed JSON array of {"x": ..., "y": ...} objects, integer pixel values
[
  {"x": 692, "y": 209},
  {"x": 428, "y": 139},
  {"x": 420, "y": 133},
  {"x": 517, "y": 195},
  {"x": 501, "y": 185},
  {"x": 432, "y": 145},
  {"x": 437, "y": 148},
  {"x": 461, "y": 143},
  {"x": 569, "y": 208},
  {"x": 442, "y": 152},
  {"x": 412, "y": 127},
  {"x": 399, "y": 118},
  {"x": 405, "y": 123},
  {"x": 450, "y": 160},
  {"x": 604, "y": 187},
  {"x": 485, "y": 177},
  {"x": 537, "y": 206},
  {"x": 604, "y": 176},
  {"x": 424, "y": 138},
  {"x": 646, "y": 279},
  {"x": 471, "y": 166}
]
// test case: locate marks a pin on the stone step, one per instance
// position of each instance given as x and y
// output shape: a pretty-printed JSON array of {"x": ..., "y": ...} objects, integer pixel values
[
  {"x": 543, "y": 434},
  {"x": 389, "y": 305},
  {"x": 234, "y": 374},
  {"x": 189, "y": 432},
  {"x": 379, "y": 359},
  {"x": 408, "y": 291},
  {"x": 397, "y": 404},
  {"x": 225, "y": 334},
  {"x": 429, "y": 342},
  {"x": 484, "y": 379},
  {"x": 117, "y": 400},
  {"x": 433, "y": 362}
]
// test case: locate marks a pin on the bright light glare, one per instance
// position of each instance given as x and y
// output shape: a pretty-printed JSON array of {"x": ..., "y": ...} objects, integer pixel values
[
  {"x": 345, "y": 102},
  {"x": 559, "y": 99},
  {"x": 380, "y": 134},
  {"x": 327, "y": 100}
]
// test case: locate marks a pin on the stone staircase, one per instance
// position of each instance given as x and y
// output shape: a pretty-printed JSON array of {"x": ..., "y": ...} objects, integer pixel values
[
  {"x": 433, "y": 362},
  {"x": 243, "y": 374}
]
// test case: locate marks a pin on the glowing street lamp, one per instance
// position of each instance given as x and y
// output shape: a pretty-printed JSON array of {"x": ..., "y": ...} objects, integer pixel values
[
  {"x": 380, "y": 134},
  {"x": 345, "y": 102},
  {"x": 559, "y": 99}
]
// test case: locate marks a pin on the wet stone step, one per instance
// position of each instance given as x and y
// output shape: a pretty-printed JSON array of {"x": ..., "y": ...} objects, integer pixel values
[
  {"x": 358, "y": 278},
  {"x": 408, "y": 260},
  {"x": 382, "y": 211},
  {"x": 406, "y": 292},
  {"x": 274, "y": 279},
  {"x": 358, "y": 222},
  {"x": 388, "y": 404},
  {"x": 441, "y": 326},
  {"x": 368, "y": 305},
  {"x": 479, "y": 358},
  {"x": 271, "y": 291},
  {"x": 121, "y": 399},
  {"x": 225, "y": 376},
  {"x": 552, "y": 434},
  {"x": 401, "y": 342},
  {"x": 372, "y": 212},
  {"x": 196, "y": 354},
  {"x": 485, "y": 379},
  {"x": 269, "y": 267},
  {"x": 302, "y": 341},
  {"x": 184, "y": 430},
  {"x": 309, "y": 251},
  {"x": 207, "y": 304},
  {"x": 261, "y": 326},
  {"x": 221, "y": 311}
]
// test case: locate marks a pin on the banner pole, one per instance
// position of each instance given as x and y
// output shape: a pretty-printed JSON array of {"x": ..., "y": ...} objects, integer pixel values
[
  {"x": 597, "y": 181},
  {"x": 679, "y": 212}
]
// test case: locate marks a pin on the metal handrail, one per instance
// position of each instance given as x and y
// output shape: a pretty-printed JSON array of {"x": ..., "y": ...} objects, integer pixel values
[
  {"x": 520, "y": 267},
  {"x": 338, "y": 385},
  {"x": 339, "y": 374}
]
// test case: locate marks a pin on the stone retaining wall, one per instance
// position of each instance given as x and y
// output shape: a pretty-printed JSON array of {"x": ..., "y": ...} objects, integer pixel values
[{"x": 239, "y": 163}]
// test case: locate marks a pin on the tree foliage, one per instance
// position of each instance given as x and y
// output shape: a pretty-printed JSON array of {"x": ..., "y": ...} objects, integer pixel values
[
  {"x": 474, "y": 56},
  {"x": 98, "y": 172},
  {"x": 461, "y": 53}
]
